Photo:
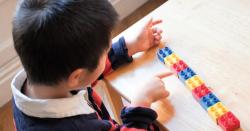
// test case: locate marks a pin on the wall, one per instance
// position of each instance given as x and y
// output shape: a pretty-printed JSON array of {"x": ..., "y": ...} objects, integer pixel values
[
  {"x": 9, "y": 63},
  {"x": 125, "y": 7}
]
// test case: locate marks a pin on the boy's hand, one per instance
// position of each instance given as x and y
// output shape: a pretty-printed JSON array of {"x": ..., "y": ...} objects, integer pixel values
[
  {"x": 148, "y": 37},
  {"x": 152, "y": 91}
]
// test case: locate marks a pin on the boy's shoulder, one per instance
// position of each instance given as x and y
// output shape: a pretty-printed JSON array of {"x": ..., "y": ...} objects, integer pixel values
[
  {"x": 64, "y": 114},
  {"x": 24, "y": 122},
  {"x": 48, "y": 108}
]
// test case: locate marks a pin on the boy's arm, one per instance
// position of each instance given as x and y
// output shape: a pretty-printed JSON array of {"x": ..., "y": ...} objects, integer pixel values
[
  {"x": 122, "y": 50},
  {"x": 134, "y": 119},
  {"x": 117, "y": 56}
]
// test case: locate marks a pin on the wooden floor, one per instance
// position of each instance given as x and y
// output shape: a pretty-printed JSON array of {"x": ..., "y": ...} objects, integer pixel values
[{"x": 6, "y": 117}]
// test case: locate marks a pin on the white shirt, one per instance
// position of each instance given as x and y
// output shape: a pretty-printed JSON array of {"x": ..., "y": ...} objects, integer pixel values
[{"x": 49, "y": 108}]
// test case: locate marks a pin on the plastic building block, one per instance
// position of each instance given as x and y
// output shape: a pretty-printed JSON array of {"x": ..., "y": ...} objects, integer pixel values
[
  {"x": 200, "y": 91},
  {"x": 194, "y": 82},
  {"x": 217, "y": 110},
  {"x": 171, "y": 59},
  {"x": 179, "y": 66},
  {"x": 186, "y": 74},
  {"x": 228, "y": 122},
  {"x": 163, "y": 53},
  {"x": 208, "y": 101},
  {"x": 167, "y": 51}
]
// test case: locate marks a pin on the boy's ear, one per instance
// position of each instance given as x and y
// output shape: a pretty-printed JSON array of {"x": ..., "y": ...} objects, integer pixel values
[{"x": 76, "y": 78}]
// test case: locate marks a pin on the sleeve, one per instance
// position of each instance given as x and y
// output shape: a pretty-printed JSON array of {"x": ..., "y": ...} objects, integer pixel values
[
  {"x": 117, "y": 56},
  {"x": 134, "y": 119},
  {"x": 138, "y": 118}
]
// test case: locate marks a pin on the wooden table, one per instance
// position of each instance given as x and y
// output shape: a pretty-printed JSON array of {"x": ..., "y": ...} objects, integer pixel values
[{"x": 211, "y": 36}]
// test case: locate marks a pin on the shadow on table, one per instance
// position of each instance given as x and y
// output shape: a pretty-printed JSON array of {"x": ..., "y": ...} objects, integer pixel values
[{"x": 164, "y": 109}]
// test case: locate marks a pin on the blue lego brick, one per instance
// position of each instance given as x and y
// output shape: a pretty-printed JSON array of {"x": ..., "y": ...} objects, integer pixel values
[
  {"x": 164, "y": 52},
  {"x": 208, "y": 100},
  {"x": 161, "y": 56},
  {"x": 186, "y": 74},
  {"x": 167, "y": 51}
]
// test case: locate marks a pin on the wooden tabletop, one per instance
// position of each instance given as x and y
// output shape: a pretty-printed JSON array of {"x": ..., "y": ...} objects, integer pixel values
[{"x": 213, "y": 38}]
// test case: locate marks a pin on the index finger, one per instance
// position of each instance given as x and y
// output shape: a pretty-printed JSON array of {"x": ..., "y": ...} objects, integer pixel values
[{"x": 165, "y": 74}]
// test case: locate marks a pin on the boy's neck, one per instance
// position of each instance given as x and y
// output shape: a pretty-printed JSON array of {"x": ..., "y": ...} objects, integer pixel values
[{"x": 45, "y": 92}]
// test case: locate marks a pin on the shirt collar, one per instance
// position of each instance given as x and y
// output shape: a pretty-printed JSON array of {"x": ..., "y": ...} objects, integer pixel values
[{"x": 49, "y": 108}]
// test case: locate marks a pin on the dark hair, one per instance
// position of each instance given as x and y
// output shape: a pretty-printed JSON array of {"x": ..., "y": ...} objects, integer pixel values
[{"x": 55, "y": 37}]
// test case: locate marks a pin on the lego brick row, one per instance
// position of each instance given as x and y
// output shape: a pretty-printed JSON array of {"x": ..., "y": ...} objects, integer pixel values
[{"x": 200, "y": 91}]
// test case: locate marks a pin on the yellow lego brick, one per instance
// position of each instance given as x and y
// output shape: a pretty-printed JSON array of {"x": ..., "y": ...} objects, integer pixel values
[
  {"x": 217, "y": 110},
  {"x": 171, "y": 59},
  {"x": 194, "y": 82}
]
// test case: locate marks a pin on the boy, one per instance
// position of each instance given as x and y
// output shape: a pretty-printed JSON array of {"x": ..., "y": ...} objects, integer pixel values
[{"x": 64, "y": 46}]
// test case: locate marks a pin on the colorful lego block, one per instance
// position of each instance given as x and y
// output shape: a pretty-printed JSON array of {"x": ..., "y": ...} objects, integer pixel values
[
  {"x": 208, "y": 101},
  {"x": 217, "y": 110},
  {"x": 171, "y": 59},
  {"x": 167, "y": 51},
  {"x": 179, "y": 66},
  {"x": 194, "y": 82},
  {"x": 228, "y": 122},
  {"x": 163, "y": 53},
  {"x": 200, "y": 91},
  {"x": 186, "y": 74}
]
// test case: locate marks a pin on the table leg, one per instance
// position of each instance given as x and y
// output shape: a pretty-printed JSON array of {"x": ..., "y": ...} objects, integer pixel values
[{"x": 115, "y": 101}]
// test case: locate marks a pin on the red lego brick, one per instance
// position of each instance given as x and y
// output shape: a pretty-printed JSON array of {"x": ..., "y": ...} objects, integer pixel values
[
  {"x": 200, "y": 91},
  {"x": 179, "y": 66},
  {"x": 228, "y": 122}
]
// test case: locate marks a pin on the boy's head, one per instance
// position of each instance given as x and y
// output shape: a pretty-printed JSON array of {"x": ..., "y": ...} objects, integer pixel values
[{"x": 63, "y": 40}]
